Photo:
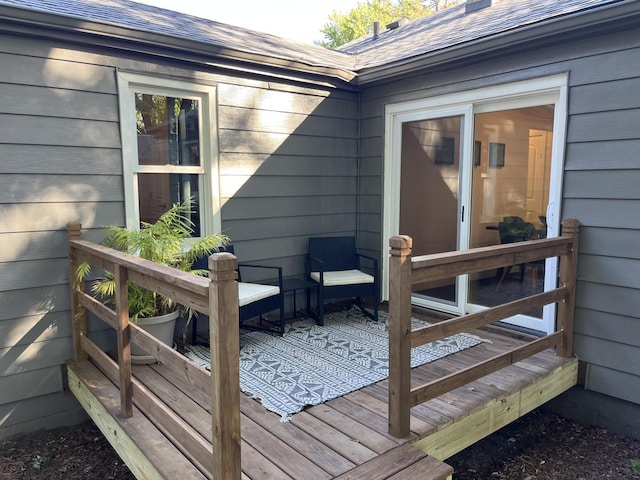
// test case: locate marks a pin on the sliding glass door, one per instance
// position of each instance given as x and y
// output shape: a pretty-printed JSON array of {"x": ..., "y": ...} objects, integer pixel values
[
  {"x": 431, "y": 176},
  {"x": 509, "y": 199},
  {"x": 478, "y": 173}
]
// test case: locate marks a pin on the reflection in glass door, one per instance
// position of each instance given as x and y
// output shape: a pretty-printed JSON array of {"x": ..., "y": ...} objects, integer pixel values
[
  {"x": 429, "y": 199},
  {"x": 509, "y": 199}
]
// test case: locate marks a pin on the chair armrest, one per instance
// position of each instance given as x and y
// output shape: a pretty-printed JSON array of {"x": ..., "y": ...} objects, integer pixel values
[
  {"x": 314, "y": 264},
  {"x": 373, "y": 260},
  {"x": 266, "y": 267}
]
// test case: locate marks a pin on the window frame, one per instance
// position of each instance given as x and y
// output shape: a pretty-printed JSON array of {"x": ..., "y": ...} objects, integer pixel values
[{"x": 208, "y": 174}]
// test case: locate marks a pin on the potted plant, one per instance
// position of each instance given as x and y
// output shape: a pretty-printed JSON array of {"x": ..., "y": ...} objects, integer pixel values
[{"x": 168, "y": 241}]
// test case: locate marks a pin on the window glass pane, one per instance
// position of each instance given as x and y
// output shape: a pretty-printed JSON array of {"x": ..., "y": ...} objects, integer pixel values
[
  {"x": 429, "y": 194},
  {"x": 168, "y": 130},
  {"x": 157, "y": 192},
  {"x": 510, "y": 198}
]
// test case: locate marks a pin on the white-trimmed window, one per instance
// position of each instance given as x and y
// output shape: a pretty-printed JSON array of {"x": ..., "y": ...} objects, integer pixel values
[{"x": 169, "y": 150}]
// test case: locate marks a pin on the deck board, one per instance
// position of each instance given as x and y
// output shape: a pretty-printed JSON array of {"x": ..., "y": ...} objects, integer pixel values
[{"x": 348, "y": 437}]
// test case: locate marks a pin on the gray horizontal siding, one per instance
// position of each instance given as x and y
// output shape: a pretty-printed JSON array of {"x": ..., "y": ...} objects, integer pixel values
[
  {"x": 609, "y": 155},
  {"x": 24, "y": 358},
  {"x": 289, "y": 100},
  {"x": 34, "y": 328},
  {"x": 604, "y": 184},
  {"x": 610, "y": 242},
  {"x": 614, "y": 383},
  {"x": 257, "y": 186},
  {"x": 288, "y": 169},
  {"x": 34, "y": 273},
  {"x": 54, "y": 410},
  {"x": 623, "y": 272},
  {"x": 38, "y": 188},
  {"x": 34, "y": 302},
  {"x": 31, "y": 130},
  {"x": 56, "y": 102},
  {"x": 233, "y": 141},
  {"x": 603, "y": 212},
  {"x": 233, "y": 118},
  {"x": 286, "y": 227},
  {"x": 34, "y": 383},
  {"x": 608, "y": 299},
  {"x": 26, "y": 246},
  {"x": 607, "y": 354},
  {"x": 42, "y": 71},
  {"x": 30, "y": 217},
  {"x": 601, "y": 97},
  {"x": 599, "y": 187},
  {"x": 615, "y": 328},
  {"x": 33, "y": 356},
  {"x": 250, "y": 208},
  {"x": 287, "y": 166},
  {"x": 589, "y": 127},
  {"x": 59, "y": 160}
]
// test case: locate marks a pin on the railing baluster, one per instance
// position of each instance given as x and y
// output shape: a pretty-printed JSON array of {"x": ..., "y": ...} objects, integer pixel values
[
  {"x": 124, "y": 345},
  {"x": 399, "y": 335},
  {"x": 216, "y": 296},
  {"x": 406, "y": 272},
  {"x": 225, "y": 366},
  {"x": 568, "y": 272},
  {"x": 78, "y": 313}
]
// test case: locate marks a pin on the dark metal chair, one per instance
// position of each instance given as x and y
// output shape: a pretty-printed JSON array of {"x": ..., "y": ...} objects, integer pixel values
[
  {"x": 255, "y": 299},
  {"x": 335, "y": 264},
  {"x": 515, "y": 229}
]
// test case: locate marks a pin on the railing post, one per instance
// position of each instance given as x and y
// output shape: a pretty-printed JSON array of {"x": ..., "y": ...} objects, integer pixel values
[
  {"x": 568, "y": 273},
  {"x": 399, "y": 335},
  {"x": 224, "y": 330},
  {"x": 123, "y": 335},
  {"x": 78, "y": 313}
]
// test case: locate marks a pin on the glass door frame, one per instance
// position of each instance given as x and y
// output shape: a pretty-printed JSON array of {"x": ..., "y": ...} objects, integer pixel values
[{"x": 542, "y": 91}]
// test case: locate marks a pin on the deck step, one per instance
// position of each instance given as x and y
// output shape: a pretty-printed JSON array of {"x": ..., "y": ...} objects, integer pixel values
[
  {"x": 403, "y": 462},
  {"x": 145, "y": 449}
]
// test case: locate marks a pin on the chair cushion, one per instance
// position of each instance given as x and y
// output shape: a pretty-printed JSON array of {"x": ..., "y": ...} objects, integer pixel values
[
  {"x": 343, "y": 277},
  {"x": 252, "y": 292}
]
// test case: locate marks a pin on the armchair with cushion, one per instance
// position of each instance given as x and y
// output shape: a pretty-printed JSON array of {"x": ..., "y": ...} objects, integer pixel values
[
  {"x": 254, "y": 299},
  {"x": 335, "y": 264}
]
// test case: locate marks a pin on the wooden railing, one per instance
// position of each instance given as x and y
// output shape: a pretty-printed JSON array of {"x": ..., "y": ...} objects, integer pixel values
[
  {"x": 217, "y": 297},
  {"x": 406, "y": 272}
]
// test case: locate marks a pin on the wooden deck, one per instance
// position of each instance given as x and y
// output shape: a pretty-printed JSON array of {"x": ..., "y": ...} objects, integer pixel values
[
  {"x": 174, "y": 420},
  {"x": 345, "y": 438}
]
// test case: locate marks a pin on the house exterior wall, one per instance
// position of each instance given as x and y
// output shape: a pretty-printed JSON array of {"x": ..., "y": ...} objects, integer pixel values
[
  {"x": 601, "y": 174},
  {"x": 288, "y": 170}
]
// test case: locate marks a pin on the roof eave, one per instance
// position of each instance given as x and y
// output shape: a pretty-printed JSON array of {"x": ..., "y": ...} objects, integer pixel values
[
  {"x": 99, "y": 34},
  {"x": 587, "y": 22}
]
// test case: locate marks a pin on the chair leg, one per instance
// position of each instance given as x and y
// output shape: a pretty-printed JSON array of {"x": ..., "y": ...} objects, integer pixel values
[
  {"x": 320, "y": 306},
  {"x": 372, "y": 316},
  {"x": 505, "y": 272},
  {"x": 282, "y": 315},
  {"x": 376, "y": 303}
]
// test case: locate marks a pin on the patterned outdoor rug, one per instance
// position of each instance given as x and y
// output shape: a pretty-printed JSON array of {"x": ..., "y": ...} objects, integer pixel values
[{"x": 312, "y": 364}]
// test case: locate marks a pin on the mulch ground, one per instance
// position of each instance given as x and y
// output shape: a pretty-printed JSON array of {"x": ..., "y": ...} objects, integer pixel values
[{"x": 539, "y": 446}]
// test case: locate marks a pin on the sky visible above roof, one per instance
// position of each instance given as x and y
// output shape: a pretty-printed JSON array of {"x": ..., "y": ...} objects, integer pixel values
[{"x": 299, "y": 20}]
